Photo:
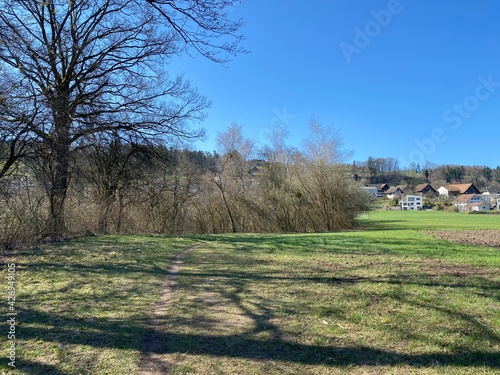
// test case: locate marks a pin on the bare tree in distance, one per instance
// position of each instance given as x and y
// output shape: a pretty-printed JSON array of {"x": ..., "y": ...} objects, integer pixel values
[
  {"x": 235, "y": 152},
  {"x": 324, "y": 146},
  {"x": 335, "y": 199},
  {"x": 276, "y": 180},
  {"x": 78, "y": 68}
]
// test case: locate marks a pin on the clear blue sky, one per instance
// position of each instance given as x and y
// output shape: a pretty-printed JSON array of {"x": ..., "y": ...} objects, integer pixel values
[{"x": 412, "y": 79}]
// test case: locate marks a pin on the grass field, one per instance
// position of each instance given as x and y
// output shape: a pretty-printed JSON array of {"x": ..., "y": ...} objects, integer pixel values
[{"x": 387, "y": 299}]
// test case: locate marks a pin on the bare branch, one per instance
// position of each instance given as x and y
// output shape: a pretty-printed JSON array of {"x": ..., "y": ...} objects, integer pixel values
[{"x": 80, "y": 68}]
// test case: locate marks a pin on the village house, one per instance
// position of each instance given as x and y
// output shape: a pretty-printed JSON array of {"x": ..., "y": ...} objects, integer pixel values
[
  {"x": 394, "y": 192},
  {"x": 491, "y": 195},
  {"x": 381, "y": 188},
  {"x": 477, "y": 207},
  {"x": 371, "y": 191},
  {"x": 426, "y": 189},
  {"x": 468, "y": 202},
  {"x": 491, "y": 190},
  {"x": 411, "y": 202},
  {"x": 458, "y": 189}
]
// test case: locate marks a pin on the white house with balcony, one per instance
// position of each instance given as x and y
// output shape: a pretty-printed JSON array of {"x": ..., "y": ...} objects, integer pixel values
[{"x": 411, "y": 202}]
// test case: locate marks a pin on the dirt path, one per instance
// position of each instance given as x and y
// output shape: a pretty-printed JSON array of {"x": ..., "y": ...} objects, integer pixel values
[{"x": 151, "y": 363}]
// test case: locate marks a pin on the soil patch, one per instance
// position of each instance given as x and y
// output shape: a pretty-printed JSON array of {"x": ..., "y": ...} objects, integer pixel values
[{"x": 484, "y": 237}]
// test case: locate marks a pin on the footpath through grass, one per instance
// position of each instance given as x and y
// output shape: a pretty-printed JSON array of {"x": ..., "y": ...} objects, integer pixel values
[
  {"x": 387, "y": 299},
  {"x": 83, "y": 306}
]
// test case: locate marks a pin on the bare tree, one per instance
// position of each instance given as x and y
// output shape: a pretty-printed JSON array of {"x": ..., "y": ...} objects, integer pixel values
[
  {"x": 15, "y": 136},
  {"x": 333, "y": 197},
  {"x": 177, "y": 183},
  {"x": 111, "y": 167},
  {"x": 229, "y": 176},
  {"x": 83, "y": 67},
  {"x": 277, "y": 188}
]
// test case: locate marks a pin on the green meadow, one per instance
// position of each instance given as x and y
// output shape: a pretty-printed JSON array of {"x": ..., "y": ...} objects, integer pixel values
[{"x": 385, "y": 299}]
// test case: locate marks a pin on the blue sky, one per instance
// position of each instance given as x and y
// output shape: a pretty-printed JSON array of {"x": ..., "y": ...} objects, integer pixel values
[{"x": 418, "y": 80}]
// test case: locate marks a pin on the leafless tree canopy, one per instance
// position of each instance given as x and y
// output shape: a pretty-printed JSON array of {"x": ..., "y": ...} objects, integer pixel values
[
  {"x": 72, "y": 69},
  {"x": 87, "y": 108}
]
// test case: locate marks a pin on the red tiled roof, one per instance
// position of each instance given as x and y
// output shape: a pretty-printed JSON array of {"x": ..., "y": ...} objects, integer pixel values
[
  {"x": 461, "y": 188},
  {"x": 393, "y": 189},
  {"x": 421, "y": 187},
  {"x": 465, "y": 198}
]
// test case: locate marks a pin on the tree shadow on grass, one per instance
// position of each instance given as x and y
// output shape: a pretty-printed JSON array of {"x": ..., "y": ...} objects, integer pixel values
[
  {"x": 278, "y": 348},
  {"x": 29, "y": 367},
  {"x": 236, "y": 346},
  {"x": 377, "y": 225},
  {"x": 134, "y": 333}
]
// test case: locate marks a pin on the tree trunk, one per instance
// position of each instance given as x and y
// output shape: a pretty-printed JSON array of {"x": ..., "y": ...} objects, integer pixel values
[
  {"x": 61, "y": 148},
  {"x": 56, "y": 226},
  {"x": 121, "y": 206},
  {"x": 226, "y": 205},
  {"x": 105, "y": 210},
  {"x": 229, "y": 213}
]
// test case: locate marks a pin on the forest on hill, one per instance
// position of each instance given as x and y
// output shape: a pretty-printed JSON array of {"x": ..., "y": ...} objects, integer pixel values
[{"x": 387, "y": 170}]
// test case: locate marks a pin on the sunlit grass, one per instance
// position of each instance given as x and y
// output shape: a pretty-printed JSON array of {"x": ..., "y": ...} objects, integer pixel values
[
  {"x": 427, "y": 220},
  {"x": 373, "y": 302},
  {"x": 387, "y": 299},
  {"x": 83, "y": 306}
]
